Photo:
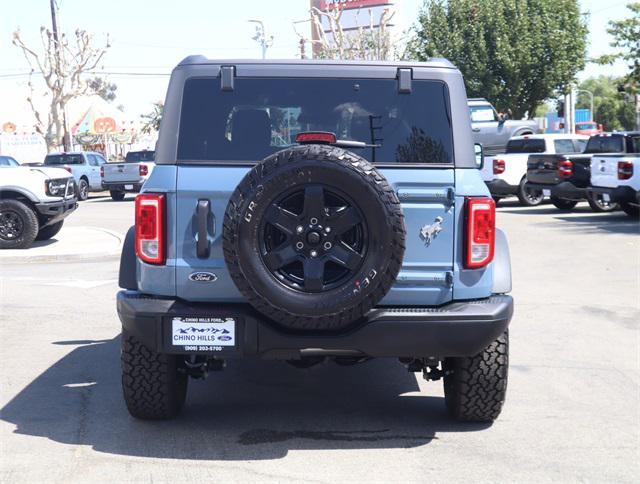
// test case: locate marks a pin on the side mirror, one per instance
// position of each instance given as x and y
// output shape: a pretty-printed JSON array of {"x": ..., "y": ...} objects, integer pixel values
[{"x": 479, "y": 152}]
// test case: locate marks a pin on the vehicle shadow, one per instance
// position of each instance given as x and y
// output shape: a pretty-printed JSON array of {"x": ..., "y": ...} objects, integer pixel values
[
  {"x": 615, "y": 222},
  {"x": 252, "y": 410}
]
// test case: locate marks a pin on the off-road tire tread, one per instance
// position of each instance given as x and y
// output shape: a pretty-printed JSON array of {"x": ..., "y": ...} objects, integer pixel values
[
  {"x": 31, "y": 225},
  {"x": 45, "y": 233},
  {"x": 153, "y": 386},
  {"x": 475, "y": 387},
  {"x": 117, "y": 195},
  {"x": 370, "y": 175}
]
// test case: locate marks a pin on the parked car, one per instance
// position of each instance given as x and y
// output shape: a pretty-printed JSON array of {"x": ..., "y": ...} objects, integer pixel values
[
  {"x": 120, "y": 178},
  {"x": 506, "y": 174},
  {"x": 85, "y": 168},
  {"x": 616, "y": 178},
  {"x": 493, "y": 130},
  {"x": 589, "y": 128},
  {"x": 252, "y": 241},
  {"x": 33, "y": 203},
  {"x": 565, "y": 177}
]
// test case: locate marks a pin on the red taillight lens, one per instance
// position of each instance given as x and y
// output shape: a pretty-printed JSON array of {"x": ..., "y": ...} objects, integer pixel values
[
  {"x": 150, "y": 232},
  {"x": 316, "y": 137},
  {"x": 481, "y": 232},
  {"x": 625, "y": 170},
  {"x": 564, "y": 168},
  {"x": 102, "y": 172},
  {"x": 143, "y": 170},
  {"x": 498, "y": 166}
]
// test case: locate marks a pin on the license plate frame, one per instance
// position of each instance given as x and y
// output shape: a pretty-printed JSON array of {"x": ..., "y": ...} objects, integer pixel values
[
  {"x": 128, "y": 187},
  {"x": 198, "y": 334},
  {"x": 546, "y": 192},
  {"x": 606, "y": 197}
]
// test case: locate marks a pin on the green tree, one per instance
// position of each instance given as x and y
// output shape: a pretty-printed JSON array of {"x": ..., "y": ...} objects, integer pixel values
[
  {"x": 517, "y": 53},
  {"x": 626, "y": 36},
  {"x": 151, "y": 121},
  {"x": 610, "y": 107}
]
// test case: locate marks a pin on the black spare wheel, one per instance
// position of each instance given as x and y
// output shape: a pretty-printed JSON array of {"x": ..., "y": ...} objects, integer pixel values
[{"x": 314, "y": 237}]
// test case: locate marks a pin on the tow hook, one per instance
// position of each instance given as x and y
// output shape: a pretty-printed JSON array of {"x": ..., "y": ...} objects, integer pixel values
[
  {"x": 430, "y": 367},
  {"x": 199, "y": 368}
]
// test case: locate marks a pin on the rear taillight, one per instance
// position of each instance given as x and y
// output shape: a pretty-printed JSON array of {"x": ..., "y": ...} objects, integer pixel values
[
  {"x": 498, "y": 166},
  {"x": 143, "y": 170},
  {"x": 102, "y": 172},
  {"x": 481, "y": 232},
  {"x": 625, "y": 170},
  {"x": 564, "y": 168},
  {"x": 150, "y": 231}
]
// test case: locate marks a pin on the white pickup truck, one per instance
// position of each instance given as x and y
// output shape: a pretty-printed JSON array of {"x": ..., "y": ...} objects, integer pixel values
[
  {"x": 505, "y": 174},
  {"x": 85, "y": 168},
  {"x": 33, "y": 202},
  {"x": 129, "y": 176},
  {"x": 617, "y": 177}
]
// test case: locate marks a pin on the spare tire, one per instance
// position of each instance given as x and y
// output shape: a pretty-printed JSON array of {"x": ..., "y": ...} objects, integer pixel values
[{"x": 314, "y": 237}]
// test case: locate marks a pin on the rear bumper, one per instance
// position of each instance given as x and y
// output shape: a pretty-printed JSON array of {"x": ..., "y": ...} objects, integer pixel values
[
  {"x": 53, "y": 212},
  {"x": 457, "y": 329},
  {"x": 122, "y": 187},
  {"x": 501, "y": 188},
  {"x": 565, "y": 190},
  {"x": 617, "y": 195}
]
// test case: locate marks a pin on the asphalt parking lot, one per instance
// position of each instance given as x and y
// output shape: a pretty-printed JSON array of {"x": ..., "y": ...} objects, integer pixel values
[{"x": 572, "y": 410}]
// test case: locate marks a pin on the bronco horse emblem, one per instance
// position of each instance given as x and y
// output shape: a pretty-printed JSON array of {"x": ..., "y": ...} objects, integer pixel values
[{"x": 430, "y": 232}]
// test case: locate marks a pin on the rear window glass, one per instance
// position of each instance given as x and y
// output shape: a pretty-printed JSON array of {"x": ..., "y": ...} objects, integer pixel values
[
  {"x": 63, "y": 160},
  {"x": 262, "y": 116},
  {"x": 532, "y": 145},
  {"x": 633, "y": 144},
  {"x": 567, "y": 146},
  {"x": 136, "y": 156},
  {"x": 605, "y": 144}
]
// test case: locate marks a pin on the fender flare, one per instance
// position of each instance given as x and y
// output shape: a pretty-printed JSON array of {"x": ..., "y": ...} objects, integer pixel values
[
  {"x": 28, "y": 194},
  {"x": 501, "y": 265},
  {"x": 127, "y": 277}
]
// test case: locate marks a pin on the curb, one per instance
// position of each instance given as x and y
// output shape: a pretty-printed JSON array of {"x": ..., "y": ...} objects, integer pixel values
[{"x": 69, "y": 257}]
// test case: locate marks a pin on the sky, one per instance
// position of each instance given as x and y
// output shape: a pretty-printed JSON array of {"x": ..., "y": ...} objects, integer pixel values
[{"x": 148, "y": 38}]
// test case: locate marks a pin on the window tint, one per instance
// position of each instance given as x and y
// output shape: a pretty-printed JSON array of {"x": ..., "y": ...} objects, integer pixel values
[
  {"x": 482, "y": 114},
  {"x": 8, "y": 161},
  {"x": 136, "y": 156},
  {"x": 605, "y": 144},
  {"x": 262, "y": 116},
  {"x": 63, "y": 160},
  {"x": 580, "y": 144},
  {"x": 633, "y": 144},
  {"x": 93, "y": 160},
  {"x": 565, "y": 146},
  {"x": 530, "y": 145}
]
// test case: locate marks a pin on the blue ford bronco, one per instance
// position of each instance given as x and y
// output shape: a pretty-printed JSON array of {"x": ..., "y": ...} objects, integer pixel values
[{"x": 314, "y": 210}]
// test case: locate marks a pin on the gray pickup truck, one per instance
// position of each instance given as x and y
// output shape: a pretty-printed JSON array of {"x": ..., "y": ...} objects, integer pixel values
[{"x": 493, "y": 130}]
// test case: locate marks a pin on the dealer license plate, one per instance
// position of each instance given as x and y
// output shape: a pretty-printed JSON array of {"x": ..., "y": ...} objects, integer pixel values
[
  {"x": 546, "y": 193},
  {"x": 128, "y": 187},
  {"x": 606, "y": 197},
  {"x": 203, "y": 332}
]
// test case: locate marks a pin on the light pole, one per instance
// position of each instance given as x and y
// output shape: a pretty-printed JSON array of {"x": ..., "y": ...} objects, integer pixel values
[
  {"x": 591, "y": 95},
  {"x": 261, "y": 37}
]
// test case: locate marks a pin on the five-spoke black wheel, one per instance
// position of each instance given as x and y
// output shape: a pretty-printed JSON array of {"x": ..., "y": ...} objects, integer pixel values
[{"x": 18, "y": 224}]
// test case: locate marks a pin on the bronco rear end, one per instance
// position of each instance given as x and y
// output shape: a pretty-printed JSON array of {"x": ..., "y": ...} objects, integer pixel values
[{"x": 306, "y": 211}]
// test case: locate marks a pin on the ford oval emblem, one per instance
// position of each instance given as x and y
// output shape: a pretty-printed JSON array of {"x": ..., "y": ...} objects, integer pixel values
[{"x": 203, "y": 277}]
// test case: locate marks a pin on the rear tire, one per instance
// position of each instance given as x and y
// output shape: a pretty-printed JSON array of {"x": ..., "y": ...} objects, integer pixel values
[
  {"x": 83, "y": 190},
  {"x": 18, "y": 225},
  {"x": 49, "y": 231},
  {"x": 527, "y": 196},
  {"x": 562, "y": 204},
  {"x": 117, "y": 195},
  {"x": 475, "y": 387},
  {"x": 597, "y": 204},
  {"x": 154, "y": 385},
  {"x": 631, "y": 210}
]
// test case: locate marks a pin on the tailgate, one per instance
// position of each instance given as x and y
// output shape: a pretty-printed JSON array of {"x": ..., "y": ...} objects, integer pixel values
[
  {"x": 542, "y": 169},
  {"x": 122, "y": 172},
  {"x": 604, "y": 171}
]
